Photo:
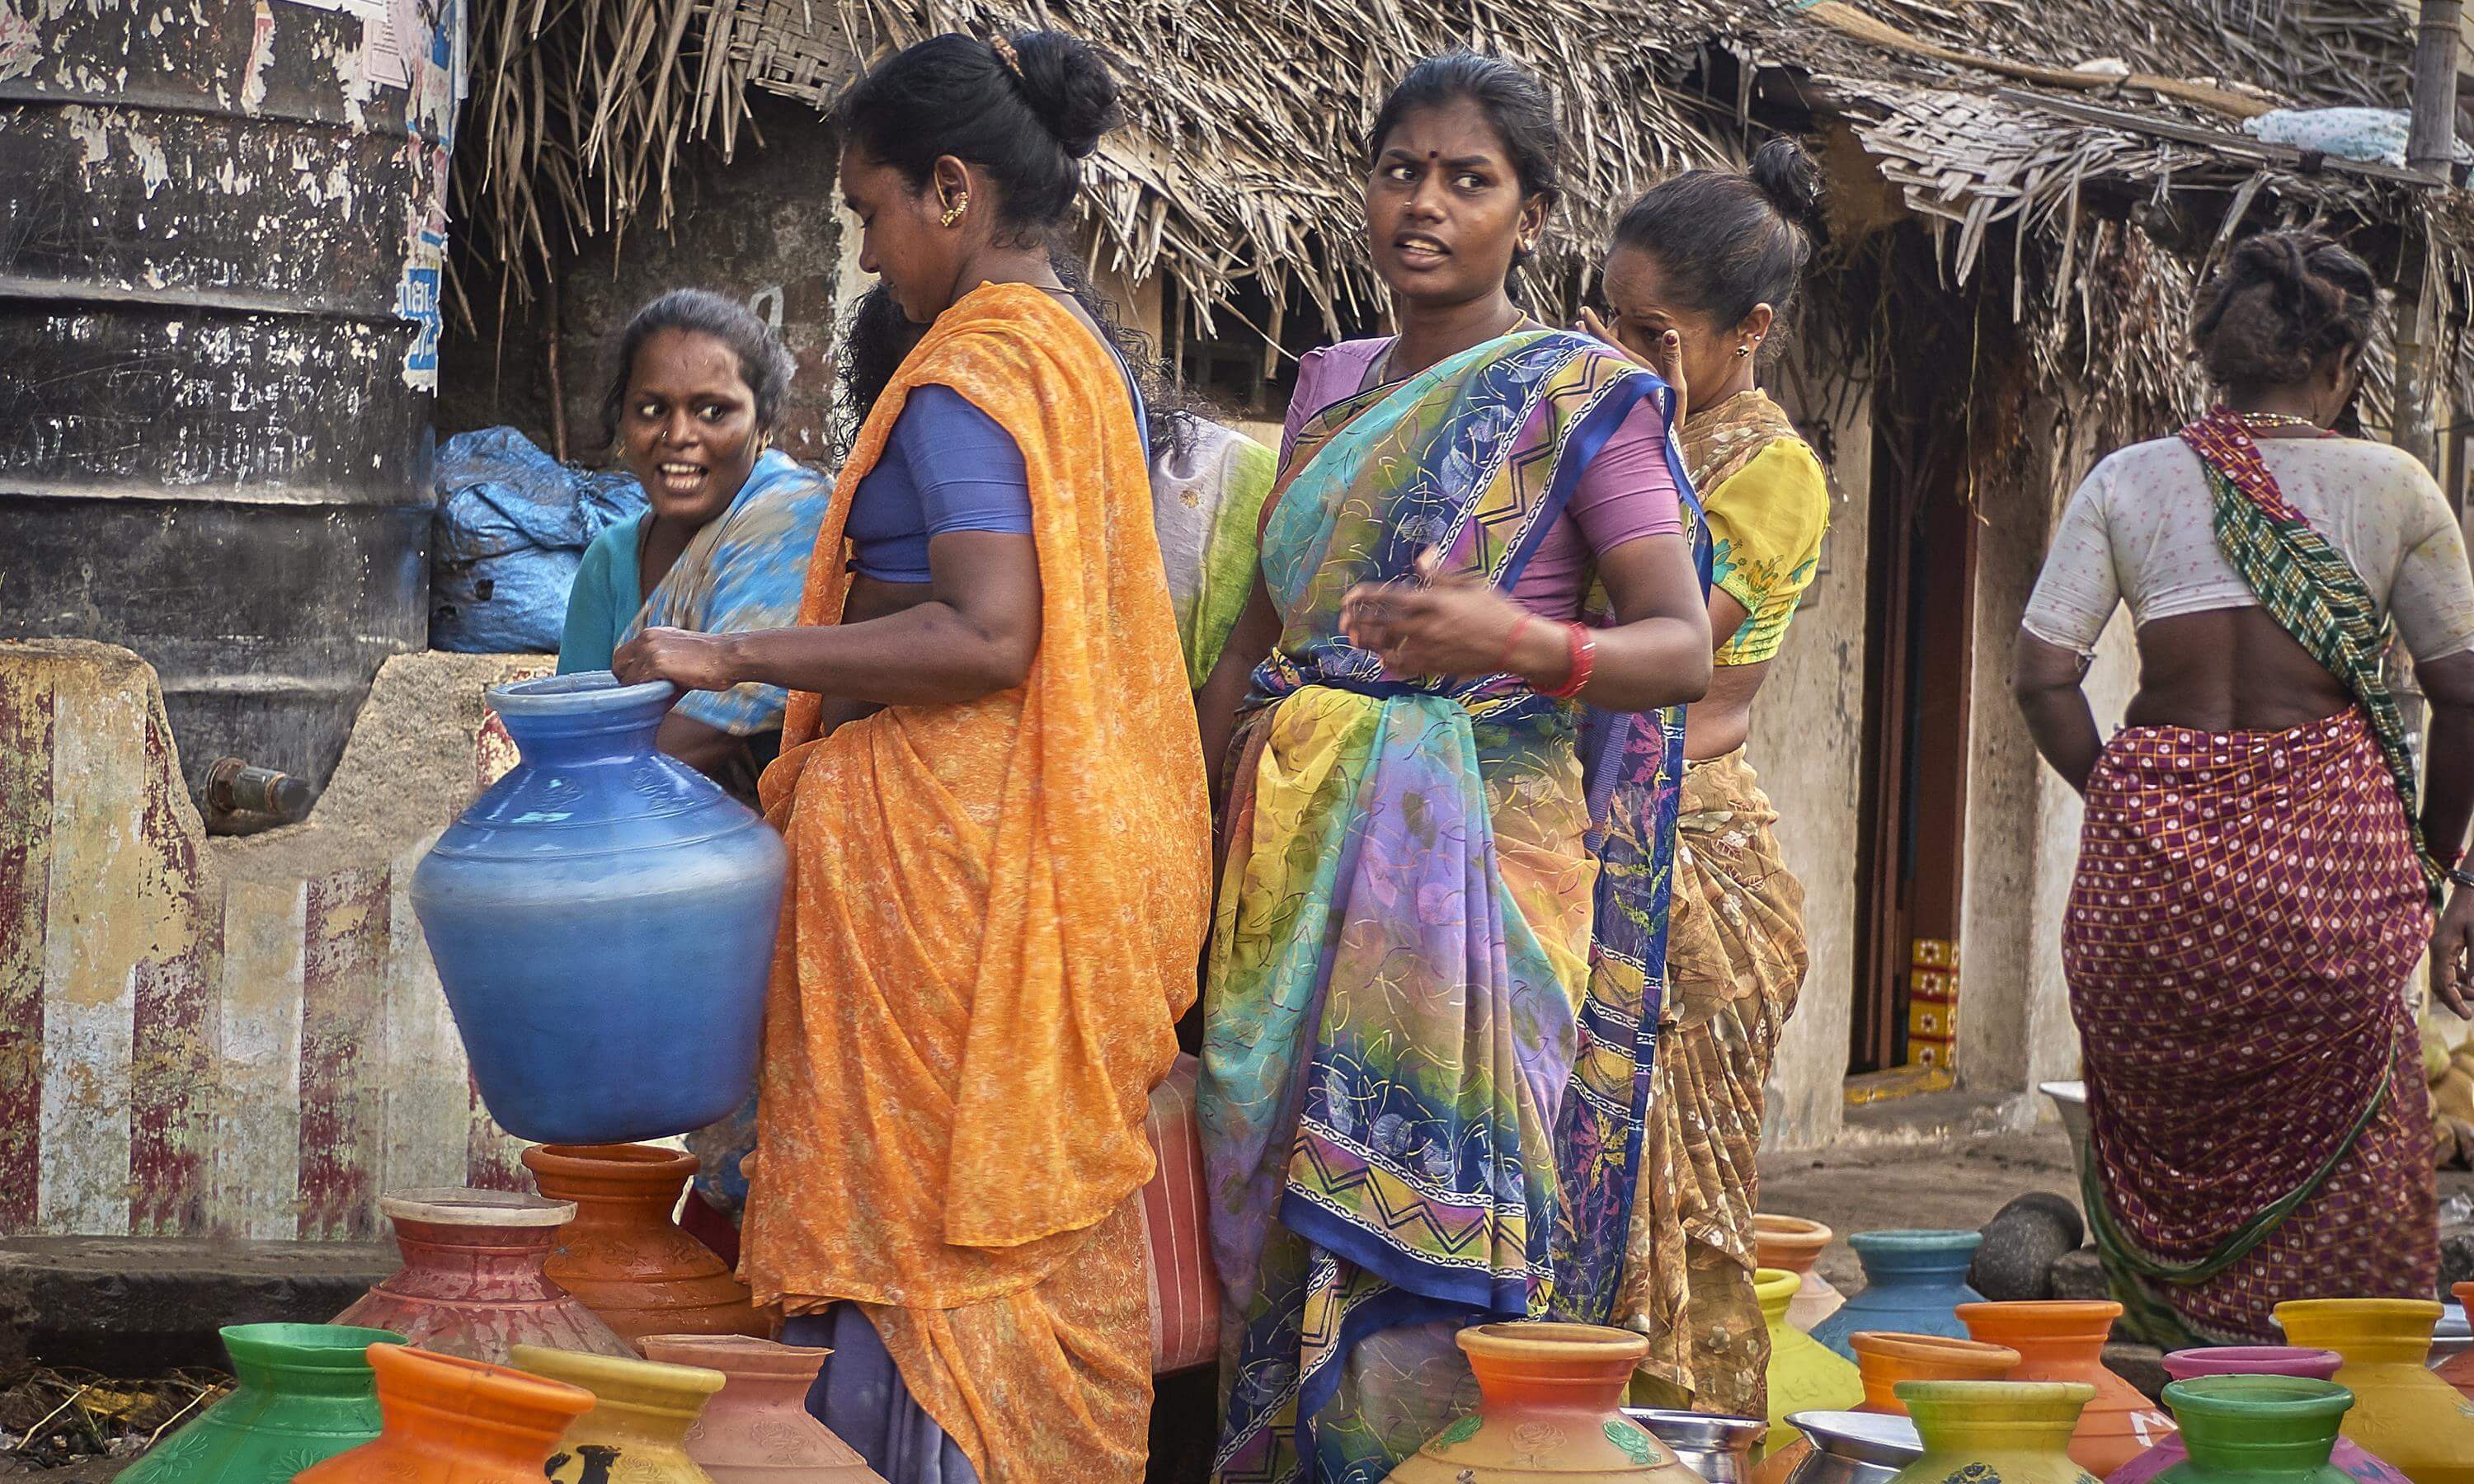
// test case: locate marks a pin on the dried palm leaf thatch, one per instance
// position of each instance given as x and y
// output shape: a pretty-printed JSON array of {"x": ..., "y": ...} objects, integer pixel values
[
  {"x": 2308, "y": 53},
  {"x": 577, "y": 114},
  {"x": 1244, "y": 155}
]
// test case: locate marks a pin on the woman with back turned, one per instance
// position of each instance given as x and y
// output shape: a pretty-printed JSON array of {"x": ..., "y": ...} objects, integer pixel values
[
  {"x": 1701, "y": 273},
  {"x": 1450, "y": 820},
  {"x": 2256, "y": 877},
  {"x": 995, "y": 806}
]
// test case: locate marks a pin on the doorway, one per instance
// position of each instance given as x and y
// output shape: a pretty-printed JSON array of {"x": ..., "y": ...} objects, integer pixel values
[{"x": 1919, "y": 658}]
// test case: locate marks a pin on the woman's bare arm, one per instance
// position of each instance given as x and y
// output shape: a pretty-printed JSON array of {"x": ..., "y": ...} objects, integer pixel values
[
  {"x": 976, "y": 635},
  {"x": 1223, "y": 690},
  {"x": 2045, "y": 680}
]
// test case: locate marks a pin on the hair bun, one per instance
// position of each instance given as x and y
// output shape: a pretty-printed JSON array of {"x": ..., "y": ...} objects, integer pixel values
[
  {"x": 1068, "y": 88},
  {"x": 1792, "y": 181},
  {"x": 2279, "y": 259}
]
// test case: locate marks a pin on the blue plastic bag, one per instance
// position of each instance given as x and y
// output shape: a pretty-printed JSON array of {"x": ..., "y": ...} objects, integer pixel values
[{"x": 512, "y": 526}]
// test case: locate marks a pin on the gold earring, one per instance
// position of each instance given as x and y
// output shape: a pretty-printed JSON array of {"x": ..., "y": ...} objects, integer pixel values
[{"x": 954, "y": 213}]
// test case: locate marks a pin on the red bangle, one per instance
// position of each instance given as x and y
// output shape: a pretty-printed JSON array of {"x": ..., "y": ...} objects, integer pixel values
[
  {"x": 1510, "y": 641},
  {"x": 1583, "y": 646}
]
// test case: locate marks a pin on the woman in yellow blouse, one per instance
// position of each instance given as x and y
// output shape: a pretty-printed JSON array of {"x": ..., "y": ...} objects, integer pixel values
[{"x": 1699, "y": 271}]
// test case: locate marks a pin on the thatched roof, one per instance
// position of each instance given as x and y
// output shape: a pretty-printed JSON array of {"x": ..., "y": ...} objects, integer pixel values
[{"x": 1246, "y": 115}]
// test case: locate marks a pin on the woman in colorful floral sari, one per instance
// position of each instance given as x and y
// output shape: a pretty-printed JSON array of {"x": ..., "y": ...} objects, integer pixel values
[
  {"x": 1433, "y": 978},
  {"x": 996, "y": 812},
  {"x": 2255, "y": 882},
  {"x": 1709, "y": 261}
]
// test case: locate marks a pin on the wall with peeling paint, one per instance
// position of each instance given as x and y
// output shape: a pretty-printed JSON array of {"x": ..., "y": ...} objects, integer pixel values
[
  {"x": 760, "y": 227},
  {"x": 237, "y": 1039},
  {"x": 1807, "y": 744}
]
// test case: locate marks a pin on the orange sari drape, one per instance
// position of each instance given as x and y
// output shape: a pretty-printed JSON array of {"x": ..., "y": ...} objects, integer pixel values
[{"x": 994, "y": 915}]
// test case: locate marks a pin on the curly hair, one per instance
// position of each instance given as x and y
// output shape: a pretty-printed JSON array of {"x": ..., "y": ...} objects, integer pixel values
[{"x": 2284, "y": 303}]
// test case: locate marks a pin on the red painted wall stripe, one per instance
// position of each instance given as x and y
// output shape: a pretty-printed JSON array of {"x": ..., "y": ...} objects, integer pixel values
[
  {"x": 25, "y": 885},
  {"x": 343, "y": 966},
  {"x": 170, "y": 1069}
]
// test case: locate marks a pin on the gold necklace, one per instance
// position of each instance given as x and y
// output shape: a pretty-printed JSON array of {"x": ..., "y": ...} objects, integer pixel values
[{"x": 2279, "y": 420}]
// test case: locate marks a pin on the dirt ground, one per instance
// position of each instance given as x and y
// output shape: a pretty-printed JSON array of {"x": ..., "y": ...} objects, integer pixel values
[{"x": 1957, "y": 1183}]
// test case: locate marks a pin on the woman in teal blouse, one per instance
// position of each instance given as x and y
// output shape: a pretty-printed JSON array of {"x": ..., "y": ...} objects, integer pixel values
[{"x": 724, "y": 547}]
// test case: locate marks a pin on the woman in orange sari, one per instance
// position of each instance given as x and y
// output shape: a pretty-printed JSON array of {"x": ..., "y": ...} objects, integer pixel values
[{"x": 993, "y": 794}]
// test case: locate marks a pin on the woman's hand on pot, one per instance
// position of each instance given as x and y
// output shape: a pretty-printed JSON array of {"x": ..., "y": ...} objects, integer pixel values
[
  {"x": 682, "y": 657},
  {"x": 1454, "y": 624}
]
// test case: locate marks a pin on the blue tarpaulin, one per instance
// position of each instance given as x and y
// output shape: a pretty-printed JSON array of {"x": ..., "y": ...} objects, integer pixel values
[{"x": 512, "y": 526}]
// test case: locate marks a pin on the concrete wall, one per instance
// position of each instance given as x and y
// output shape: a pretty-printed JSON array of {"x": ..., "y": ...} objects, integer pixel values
[
  {"x": 2021, "y": 828},
  {"x": 2015, "y": 1029},
  {"x": 762, "y": 227},
  {"x": 236, "y": 1037},
  {"x": 1807, "y": 743}
]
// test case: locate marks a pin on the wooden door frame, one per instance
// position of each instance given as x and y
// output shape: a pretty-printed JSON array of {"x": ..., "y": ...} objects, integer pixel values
[{"x": 1919, "y": 692}]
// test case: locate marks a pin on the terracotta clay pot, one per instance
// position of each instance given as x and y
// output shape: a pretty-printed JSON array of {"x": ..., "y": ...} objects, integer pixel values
[
  {"x": 472, "y": 1282},
  {"x": 1884, "y": 1360},
  {"x": 305, "y": 1393},
  {"x": 1792, "y": 1244},
  {"x": 1550, "y": 1408},
  {"x": 623, "y": 1255},
  {"x": 453, "y": 1420},
  {"x": 2458, "y": 1369},
  {"x": 1995, "y": 1432},
  {"x": 2402, "y": 1412},
  {"x": 638, "y": 1427},
  {"x": 2282, "y": 1360},
  {"x": 757, "y": 1430},
  {"x": 2063, "y": 1340}
]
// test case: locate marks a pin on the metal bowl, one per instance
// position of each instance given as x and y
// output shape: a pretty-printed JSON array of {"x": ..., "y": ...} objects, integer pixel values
[
  {"x": 1855, "y": 1448},
  {"x": 2451, "y": 1337},
  {"x": 1718, "y": 1448}
]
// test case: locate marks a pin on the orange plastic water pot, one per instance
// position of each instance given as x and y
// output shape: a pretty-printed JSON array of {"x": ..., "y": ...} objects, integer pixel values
[
  {"x": 446, "y": 1420},
  {"x": 2063, "y": 1340},
  {"x": 1550, "y": 1408},
  {"x": 1884, "y": 1360}
]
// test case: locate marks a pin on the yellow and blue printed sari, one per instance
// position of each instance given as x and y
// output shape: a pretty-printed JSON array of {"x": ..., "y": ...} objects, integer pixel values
[{"x": 1434, "y": 973}]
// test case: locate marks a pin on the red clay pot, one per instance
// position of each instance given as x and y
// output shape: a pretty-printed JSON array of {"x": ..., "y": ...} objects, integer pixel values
[
  {"x": 624, "y": 1256},
  {"x": 757, "y": 1430},
  {"x": 471, "y": 1282},
  {"x": 2458, "y": 1369}
]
